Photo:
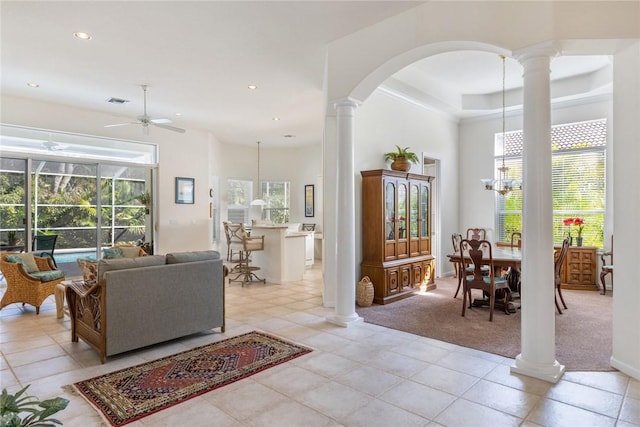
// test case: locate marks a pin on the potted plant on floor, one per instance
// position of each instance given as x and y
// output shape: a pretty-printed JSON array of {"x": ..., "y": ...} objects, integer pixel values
[
  {"x": 37, "y": 412},
  {"x": 401, "y": 159}
]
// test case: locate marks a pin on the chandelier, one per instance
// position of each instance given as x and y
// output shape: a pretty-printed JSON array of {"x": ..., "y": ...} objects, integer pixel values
[
  {"x": 258, "y": 201},
  {"x": 503, "y": 185}
]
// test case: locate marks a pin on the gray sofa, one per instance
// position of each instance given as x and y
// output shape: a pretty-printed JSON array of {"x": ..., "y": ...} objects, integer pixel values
[{"x": 136, "y": 302}]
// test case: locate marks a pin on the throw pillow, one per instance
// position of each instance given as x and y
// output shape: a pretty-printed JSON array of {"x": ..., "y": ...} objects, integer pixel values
[
  {"x": 89, "y": 270},
  {"x": 27, "y": 261},
  {"x": 129, "y": 251},
  {"x": 112, "y": 253}
]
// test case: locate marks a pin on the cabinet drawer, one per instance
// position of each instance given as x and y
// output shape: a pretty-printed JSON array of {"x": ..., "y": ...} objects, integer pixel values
[{"x": 393, "y": 282}]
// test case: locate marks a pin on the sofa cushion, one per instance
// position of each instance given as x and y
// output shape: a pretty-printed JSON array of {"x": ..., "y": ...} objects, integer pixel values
[
  {"x": 89, "y": 268},
  {"x": 47, "y": 276},
  {"x": 26, "y": 259},
  {"x": 124, "y": 263},
  {"x": 178, "y": 257},
  {"x": 112, "y": 253}
]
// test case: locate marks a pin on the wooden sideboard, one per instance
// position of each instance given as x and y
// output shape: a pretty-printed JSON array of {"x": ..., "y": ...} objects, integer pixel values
[{"x": 579, "y": 269}]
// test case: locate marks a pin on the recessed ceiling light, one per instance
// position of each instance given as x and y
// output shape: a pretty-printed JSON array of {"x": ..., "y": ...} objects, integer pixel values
[
  {"x": 31, "y": 84},
  {"x": 178, "y": 114},
  {"x": 289, "y": 136},
  {"x": 82, "y": 36},
  {"x": 252, "y": 87},
  {"x": 275, "y": 119}
]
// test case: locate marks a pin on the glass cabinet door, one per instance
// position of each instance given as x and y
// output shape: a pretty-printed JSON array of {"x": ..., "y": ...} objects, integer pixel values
[
  {"x": 389, "y": 210},
  {"x": 402, "y": 211},
  {"x": 413, "y": 202},
  {"x": 424, "y": 211}
]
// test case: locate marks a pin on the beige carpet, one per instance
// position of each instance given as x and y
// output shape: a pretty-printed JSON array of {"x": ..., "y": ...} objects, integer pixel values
[{"x": 583, "y": 332}]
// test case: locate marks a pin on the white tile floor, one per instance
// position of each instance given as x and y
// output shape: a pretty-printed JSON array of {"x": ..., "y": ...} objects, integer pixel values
[{"x": 364, "y": 375}]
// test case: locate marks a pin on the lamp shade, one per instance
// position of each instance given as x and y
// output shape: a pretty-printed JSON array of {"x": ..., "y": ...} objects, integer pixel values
[{"x": 258, "y": 202}]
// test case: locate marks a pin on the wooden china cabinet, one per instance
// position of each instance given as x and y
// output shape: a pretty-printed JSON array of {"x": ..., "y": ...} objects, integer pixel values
[{"x": 396, "y": 233}]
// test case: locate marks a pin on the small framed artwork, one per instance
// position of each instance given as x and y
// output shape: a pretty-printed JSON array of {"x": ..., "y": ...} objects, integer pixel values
[
  {"x": 185, "y": 190},
  {"x": 308, "y": 200}
]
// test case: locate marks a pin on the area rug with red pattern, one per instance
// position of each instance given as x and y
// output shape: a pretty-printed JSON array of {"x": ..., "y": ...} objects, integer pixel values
[{"x": 129, "y": 394}]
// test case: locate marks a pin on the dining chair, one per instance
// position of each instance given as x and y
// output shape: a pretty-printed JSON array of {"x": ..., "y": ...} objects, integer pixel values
[
  {"x": 607, "y": 267},
  {"x": 558, "y": 264},
  {"x": 456, "y": 238},
  {"x": 43, "y": 245},
  {"x": 516, "y": 240},
  {"x": 480, "y": 253},
  {"x": 513, "y": 274}
]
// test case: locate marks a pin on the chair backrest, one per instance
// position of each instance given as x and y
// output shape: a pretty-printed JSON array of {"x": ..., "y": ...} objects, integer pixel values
[
  {"x": 235, "y": 233},
  {"x": 44, "y": 243},
  {"x": 476, "y": 233},
  {"x": 516, "y": 240},
  {"x": 480, "y": 253},
  {"x": 308, "y": 227},
  {"x": 561, "y": 255},
  {"x": 456, "y": 238}
]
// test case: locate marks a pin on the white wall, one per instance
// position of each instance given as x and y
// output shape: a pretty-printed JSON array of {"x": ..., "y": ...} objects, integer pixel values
[
  {"x": 384, "y": 121},
  {"x": 193, "y": 154}
]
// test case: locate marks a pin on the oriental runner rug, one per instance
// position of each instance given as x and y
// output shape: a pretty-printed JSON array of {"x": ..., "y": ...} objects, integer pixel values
[{"x": 129, "y": 394}]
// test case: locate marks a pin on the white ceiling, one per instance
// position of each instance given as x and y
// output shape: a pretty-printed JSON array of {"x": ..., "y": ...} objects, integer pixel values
[{"x": 199, "y": 57}]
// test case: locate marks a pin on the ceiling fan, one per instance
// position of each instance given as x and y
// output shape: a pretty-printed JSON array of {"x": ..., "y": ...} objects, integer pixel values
[{"x": 145, "y": 120}]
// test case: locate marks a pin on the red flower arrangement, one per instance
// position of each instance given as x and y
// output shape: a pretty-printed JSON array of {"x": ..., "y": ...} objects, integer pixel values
[{"x": 578, "y": 222}]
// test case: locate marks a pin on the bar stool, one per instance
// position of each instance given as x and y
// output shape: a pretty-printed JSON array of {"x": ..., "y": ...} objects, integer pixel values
[{"x": 245, "y": 272}]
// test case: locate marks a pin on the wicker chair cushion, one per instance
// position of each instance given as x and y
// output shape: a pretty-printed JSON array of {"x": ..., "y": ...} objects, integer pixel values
[
  {"x": 47, "y": 276},
  {"x": 26, "y": 260},
  {"x": 89, "y": 268},
  {"x": 112, "y": 253}
]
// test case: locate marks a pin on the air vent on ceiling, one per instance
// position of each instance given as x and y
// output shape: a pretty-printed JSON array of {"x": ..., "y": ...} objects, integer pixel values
[{"x": 117, "y": 100}]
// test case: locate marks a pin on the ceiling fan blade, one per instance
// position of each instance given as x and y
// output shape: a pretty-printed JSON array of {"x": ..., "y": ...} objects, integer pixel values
[
  {"x": 121, "y": 124},
  {"x": 167, "y": 127},
  {"x": 160, "y": 121}
]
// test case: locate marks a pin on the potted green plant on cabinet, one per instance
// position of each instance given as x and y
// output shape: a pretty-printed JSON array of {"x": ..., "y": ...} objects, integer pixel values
[{"x": 401, "y": 159}]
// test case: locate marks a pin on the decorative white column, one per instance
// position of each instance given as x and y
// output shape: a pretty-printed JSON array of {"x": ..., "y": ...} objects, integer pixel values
[
  {"x": 537, "y": 358},
  {"x": 345, "y": 311}
]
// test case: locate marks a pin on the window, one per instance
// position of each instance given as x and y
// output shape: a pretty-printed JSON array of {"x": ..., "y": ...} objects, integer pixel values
[
  {"x": 239, "y": 195},
  {"x": 578, "y": 180},
  {"x": 277, "y": 194}
]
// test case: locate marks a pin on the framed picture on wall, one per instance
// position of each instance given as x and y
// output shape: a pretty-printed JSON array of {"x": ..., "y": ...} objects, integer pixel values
[
  {"x": 185, "y": 190},
  {"x": 308, "y": 200}
]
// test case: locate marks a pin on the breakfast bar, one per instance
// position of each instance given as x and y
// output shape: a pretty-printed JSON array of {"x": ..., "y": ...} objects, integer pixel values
[{"x": 283, "y": 257}]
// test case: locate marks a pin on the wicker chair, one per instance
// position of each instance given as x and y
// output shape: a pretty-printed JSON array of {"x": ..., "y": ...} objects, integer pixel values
[{"x": 24, "y": 288}]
